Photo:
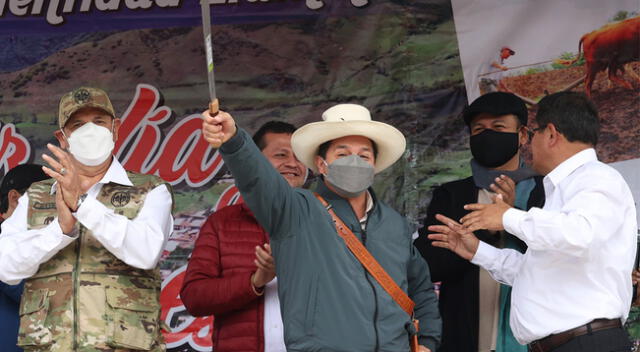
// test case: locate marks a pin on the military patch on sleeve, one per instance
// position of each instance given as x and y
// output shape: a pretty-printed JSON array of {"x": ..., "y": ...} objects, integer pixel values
[
  {"x": 44, "y": 206},
  {"x": 120, "y": 199}
]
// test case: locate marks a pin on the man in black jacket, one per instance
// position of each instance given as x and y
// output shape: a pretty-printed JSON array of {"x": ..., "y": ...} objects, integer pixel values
[{"x": 474, "y": 308}]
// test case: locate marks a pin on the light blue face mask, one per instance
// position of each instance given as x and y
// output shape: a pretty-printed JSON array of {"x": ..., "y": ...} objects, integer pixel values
[{"x": 350, "y": 175}]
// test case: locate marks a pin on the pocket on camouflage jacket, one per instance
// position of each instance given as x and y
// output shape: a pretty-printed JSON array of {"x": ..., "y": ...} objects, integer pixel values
[
  {"x": 133, "y": 317},
  {"x": 34, "y": 330}
]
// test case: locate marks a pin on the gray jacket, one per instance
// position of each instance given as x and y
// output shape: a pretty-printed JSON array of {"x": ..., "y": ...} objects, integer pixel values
[{"x": 328, "y": 300}]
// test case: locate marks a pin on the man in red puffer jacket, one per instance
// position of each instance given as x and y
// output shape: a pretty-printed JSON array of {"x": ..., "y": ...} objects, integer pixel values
[{"x": 231, "y": 273}]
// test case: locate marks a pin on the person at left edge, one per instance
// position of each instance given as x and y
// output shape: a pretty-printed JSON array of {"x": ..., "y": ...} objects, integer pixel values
[
  {"x": 14, "y": 184},
  {"x": 88, "y": 241}
]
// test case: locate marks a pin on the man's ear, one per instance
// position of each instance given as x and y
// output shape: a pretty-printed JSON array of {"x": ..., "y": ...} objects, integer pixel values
[
  {"x": 62, "y": 140},
  {"x": 116, "y": 127},
  {"x": 13, "y": 197},
  {"x": 523, "y": 136},
  {"x": 320, "y": 165},
  {"x": 554, "y": 135}
]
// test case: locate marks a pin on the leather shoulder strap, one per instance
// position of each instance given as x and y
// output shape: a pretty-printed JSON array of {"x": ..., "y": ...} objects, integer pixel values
[{"x": 369, "y": 262}]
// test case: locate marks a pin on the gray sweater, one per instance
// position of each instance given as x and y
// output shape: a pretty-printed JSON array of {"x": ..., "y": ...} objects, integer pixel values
[{"x": 328, "y": 300}]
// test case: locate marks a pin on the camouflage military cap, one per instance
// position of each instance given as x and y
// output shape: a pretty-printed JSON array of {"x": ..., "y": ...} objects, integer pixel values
[{"x": 80, "y": 98}]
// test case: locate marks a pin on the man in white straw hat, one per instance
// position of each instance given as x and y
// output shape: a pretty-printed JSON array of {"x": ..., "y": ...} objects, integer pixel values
[{"x": 329, "y": 301}]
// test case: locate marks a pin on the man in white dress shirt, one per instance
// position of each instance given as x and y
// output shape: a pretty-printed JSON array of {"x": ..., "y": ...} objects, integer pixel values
[
  {"x": 572, "y": 287},
  {"x": 88, "y": 241}
]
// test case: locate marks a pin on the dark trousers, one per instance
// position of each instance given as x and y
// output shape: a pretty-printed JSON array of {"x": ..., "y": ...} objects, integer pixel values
[{"x": 609, "y": 340}]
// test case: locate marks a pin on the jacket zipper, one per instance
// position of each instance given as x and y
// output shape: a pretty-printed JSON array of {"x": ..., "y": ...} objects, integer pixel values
[
  {"x": 366, "y": 275},
  {"x": 375, "y": 294}
]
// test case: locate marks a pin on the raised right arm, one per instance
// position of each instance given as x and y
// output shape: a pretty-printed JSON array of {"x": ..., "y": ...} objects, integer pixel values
[{"x": 276, "y": 206}]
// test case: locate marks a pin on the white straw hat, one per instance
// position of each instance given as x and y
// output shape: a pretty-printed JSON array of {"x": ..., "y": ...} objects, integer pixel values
[{"x": 348, "y": 120}]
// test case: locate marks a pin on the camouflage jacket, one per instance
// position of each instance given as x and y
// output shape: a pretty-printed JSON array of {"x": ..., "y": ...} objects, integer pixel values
[{"x": 84, "y": 298}]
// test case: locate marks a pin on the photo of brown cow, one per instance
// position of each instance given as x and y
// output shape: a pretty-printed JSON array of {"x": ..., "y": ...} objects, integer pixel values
[{"x": 606, "y": 68}]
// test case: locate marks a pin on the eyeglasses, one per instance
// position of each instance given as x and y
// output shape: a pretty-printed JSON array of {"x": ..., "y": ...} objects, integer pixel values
[{"x": 532, "y": 131}]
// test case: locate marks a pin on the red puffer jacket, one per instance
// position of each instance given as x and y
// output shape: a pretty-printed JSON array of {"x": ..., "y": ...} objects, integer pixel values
[{"x": 218, "y": 279}]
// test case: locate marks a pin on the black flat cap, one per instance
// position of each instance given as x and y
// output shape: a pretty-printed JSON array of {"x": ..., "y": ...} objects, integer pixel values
[
  {"x": 497, "y": 103},
  {"x": 22, "y": 176}
]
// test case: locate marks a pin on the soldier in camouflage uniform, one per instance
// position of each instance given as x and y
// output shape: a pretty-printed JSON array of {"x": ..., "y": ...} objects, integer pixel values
[{"x": 88, "y": 241}]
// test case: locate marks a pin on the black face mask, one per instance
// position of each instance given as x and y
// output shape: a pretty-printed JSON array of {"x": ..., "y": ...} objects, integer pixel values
[{"x": 492, "y": 149}]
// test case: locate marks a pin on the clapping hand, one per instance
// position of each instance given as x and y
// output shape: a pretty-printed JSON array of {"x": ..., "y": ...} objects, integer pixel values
[
  {"x": 505, "y": 187},
  {"x": 67, "y": 187},
  {"x": 266, "y": 267}
]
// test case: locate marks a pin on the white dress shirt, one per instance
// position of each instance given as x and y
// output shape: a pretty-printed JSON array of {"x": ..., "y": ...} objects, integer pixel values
[
  {"x": 581, "y": 249},
  {"x": 363, "y": 220},
  {"x": 273, "y": 327},
  {"x": 138, "y": 242}
]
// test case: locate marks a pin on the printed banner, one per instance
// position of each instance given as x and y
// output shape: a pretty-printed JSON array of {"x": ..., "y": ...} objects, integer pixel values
[
  {"x": 535, "y": 48},
  {"x": 275, "y": 60},
  {"x": 282, "y": 60},
  {"x": 39, "y": 16},
  {"x": 630, "y": 170}
]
